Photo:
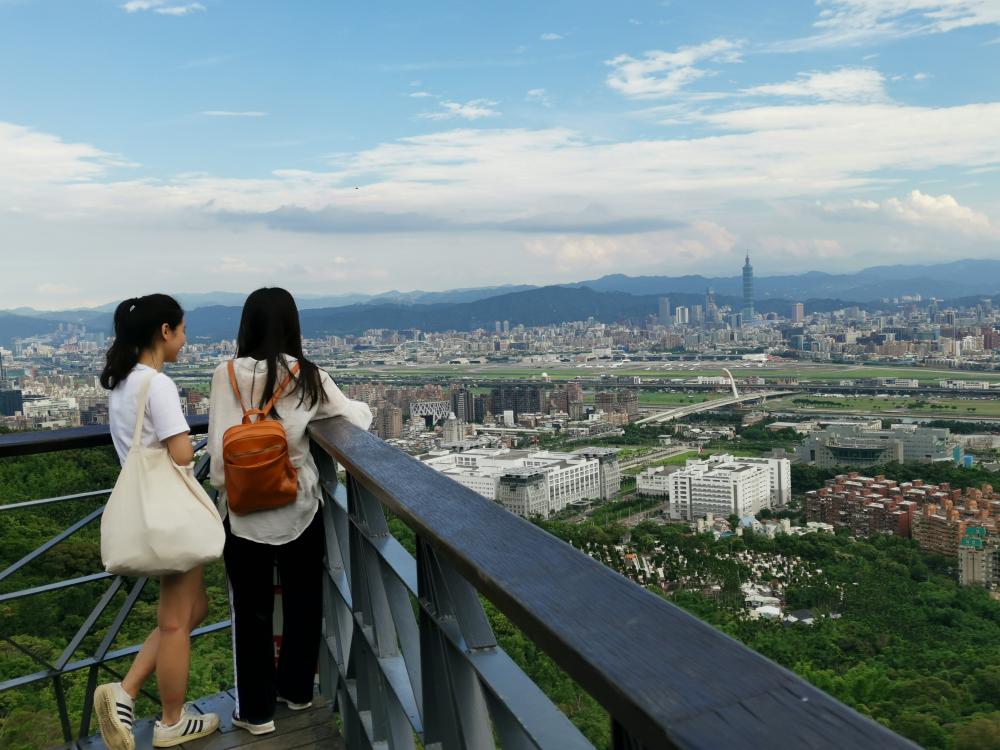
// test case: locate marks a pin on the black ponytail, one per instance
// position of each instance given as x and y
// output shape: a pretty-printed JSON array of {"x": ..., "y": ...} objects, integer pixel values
[{"x": 137, "y": 322}]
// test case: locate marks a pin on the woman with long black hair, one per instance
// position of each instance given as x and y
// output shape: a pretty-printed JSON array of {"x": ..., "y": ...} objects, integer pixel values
[
  {"x": 268, "y": 355},
  {"x": 149, "y": 331}
]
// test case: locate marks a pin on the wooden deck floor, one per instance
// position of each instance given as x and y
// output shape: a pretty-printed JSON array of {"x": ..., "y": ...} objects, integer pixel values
[{"x": 312, "y": 729}]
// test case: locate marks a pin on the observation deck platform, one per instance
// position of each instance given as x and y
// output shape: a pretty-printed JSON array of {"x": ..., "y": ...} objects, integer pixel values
[
  {"x": 311, "y": 729},
  {"x": 409, "y": 657}
]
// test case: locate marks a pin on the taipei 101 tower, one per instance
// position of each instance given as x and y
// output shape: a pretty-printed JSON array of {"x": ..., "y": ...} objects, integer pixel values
[{"x": 748, "y": 313}]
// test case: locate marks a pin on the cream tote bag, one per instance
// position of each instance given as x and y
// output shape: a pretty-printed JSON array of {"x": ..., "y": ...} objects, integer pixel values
[{"x": 158, "y": 519}]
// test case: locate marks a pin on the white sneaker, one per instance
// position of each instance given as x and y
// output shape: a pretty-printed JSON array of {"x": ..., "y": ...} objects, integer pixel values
[
  {"x": 295, "y": 706},
  {"x": 114, "y": 709},
  {"x": 191, "y": 726},
  {"x": 264, "y": 728}
]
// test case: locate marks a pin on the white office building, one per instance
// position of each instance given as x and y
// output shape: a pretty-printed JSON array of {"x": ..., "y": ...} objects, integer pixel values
[
  {"x": 529, "y": 483},
  {"x": 779, "y": 475},
  {"x": 720, "y": 488},
  {"x": 654, "y": 481}
]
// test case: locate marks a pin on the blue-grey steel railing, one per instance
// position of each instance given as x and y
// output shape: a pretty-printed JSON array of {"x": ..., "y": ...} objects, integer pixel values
[
  {"x": 409, "y": 655},
  {"x": 103, "y": 656},
  {"x": 666, "y": 678}
]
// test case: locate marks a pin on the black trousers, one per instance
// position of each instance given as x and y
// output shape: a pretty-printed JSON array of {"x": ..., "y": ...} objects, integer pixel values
[{"x": 250, "y": 569}]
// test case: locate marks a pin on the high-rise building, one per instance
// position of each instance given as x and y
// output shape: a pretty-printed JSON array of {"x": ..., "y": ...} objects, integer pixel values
[
  {"x": 681, "y": 316},
  {"x": 481, "y": 407},
  {"x": 711, "y": 309},
  {"x": 462, "y": 403},
  {"x": 628, "y": 402},
  {"x": 798, "y": 313},
  {"x": 388, "y": 421},
  {"x": 518, "y": 399},
  {"x": 664, "y": 313},
  {"x": 979, "y": 558},
  {"x": 748, "y": 311},
  {"x": 11, "y": 401},
  {"x": 605, "y": 401},
  {"x": 453, "y": 430}
]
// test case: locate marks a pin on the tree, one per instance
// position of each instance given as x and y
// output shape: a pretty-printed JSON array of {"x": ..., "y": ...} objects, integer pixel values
[{"x": 982, "y": 733}]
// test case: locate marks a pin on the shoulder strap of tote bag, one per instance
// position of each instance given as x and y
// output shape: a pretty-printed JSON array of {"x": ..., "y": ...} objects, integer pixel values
[
  {"x": 141, "y": 410},
  {"x": 260, "y": 413}
]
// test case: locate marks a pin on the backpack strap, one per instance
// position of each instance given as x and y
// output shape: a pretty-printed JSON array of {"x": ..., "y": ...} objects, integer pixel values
[
  {"x": 235, "y": 386},
  {"x": 277, "y": 391},
  {"x": 259, "y": 413}
]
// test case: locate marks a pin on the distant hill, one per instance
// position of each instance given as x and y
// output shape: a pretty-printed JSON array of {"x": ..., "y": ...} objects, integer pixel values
[
  {"x": 541, "y": 306},
  {"x": 609, "y": 298},
  {"x": 944, "y": 280},
  {"x": 19, "y": 326}
]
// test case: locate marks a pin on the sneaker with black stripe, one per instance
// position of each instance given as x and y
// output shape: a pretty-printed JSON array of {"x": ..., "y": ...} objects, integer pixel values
[
  {"x": 114, "y": 708},
  {"x": 191, "y": 726}
]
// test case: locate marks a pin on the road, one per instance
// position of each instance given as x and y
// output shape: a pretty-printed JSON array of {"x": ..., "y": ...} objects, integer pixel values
[
  {"x": 674, "y": 450},
  {"x": 668, "y": 415}
]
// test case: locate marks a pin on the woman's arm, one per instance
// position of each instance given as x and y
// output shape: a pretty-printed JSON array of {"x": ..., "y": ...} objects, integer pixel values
[
  {"x": 169, "y": 422},
  {"x": 339, "y": 405},
  {"x": 217, "y": 427},
  {"x": 180, "y": 449}
]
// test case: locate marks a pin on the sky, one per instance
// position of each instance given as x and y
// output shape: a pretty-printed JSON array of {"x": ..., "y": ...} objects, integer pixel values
[{"x": 333, "y": 147}]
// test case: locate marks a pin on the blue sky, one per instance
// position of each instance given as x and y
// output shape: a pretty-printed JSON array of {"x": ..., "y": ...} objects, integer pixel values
[{"x": 341, "y": 147}]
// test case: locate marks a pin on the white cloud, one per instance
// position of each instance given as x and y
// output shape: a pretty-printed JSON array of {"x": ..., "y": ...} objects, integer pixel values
[
  {"x": 28, "y": 157},
  {"x": 920, "y": 76},
  {"x": 942, "y": 212},
  {"x": 475, "y": 109},
  {"x": 801, "y": 248},
  {"x": 179, "y": 10},
  {"x": 420, "y": 95},
  {"x": 54, "y": 289},
  {"x": 702, "y": 241},
  {"x": 500, "y": 177},
  {"x": 230, "y": 113},
  {"x": 162, "y": 7},
  {"x": 843, "y": 85},
  {"x": 660, "y": 74},
  {"x": 550, "y": 37},
  {"x": 642, "y": 204},
  {"x": 539, "y": 96},
  {"x": 853, "y": 22}
]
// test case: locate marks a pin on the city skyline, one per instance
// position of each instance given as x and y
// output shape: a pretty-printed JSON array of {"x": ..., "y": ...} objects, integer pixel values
[{"x": 344, "y": 149}]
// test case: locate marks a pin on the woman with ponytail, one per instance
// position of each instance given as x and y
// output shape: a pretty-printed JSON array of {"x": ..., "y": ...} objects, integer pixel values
[{"x": 149, "y": 332}]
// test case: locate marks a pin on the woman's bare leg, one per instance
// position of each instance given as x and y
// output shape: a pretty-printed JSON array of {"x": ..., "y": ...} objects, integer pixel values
[
  {"x": 145, "y": 661},
  {"x": 182, "y": 600}
]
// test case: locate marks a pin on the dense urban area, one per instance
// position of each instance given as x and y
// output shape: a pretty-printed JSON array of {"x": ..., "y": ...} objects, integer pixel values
[{"x": 822, "y": 486}]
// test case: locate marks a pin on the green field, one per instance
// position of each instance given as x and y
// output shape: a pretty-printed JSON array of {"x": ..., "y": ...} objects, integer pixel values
[
  {"x": 656, "y": 371},
  {"x": 681, "y": 458},
  {"x": 653, "y": 398},
  {"x": 892, "y": 406}
]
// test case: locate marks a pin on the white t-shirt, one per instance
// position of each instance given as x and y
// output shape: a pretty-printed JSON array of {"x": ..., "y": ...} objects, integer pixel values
[{"x": 164, "y": 417}]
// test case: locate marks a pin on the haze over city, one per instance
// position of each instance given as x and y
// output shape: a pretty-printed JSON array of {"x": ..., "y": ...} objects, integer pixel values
[{"x": 340, "y": 148}]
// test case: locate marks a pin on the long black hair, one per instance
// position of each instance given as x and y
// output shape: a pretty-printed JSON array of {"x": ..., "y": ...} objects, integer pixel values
[
  {"x": 269, "y": 328},
  {"x": 137, "y": 323}
]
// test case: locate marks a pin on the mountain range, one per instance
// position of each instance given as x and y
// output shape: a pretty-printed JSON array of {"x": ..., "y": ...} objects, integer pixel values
[{"x": 608, "y": 298}]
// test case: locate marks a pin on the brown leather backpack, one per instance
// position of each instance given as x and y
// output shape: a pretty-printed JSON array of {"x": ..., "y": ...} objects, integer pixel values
[{"x": 259, "y": 472}]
